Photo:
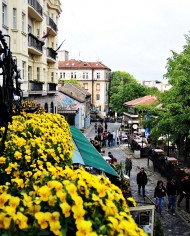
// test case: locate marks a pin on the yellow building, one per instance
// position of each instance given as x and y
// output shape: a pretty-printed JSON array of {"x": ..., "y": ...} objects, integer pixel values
[
  {"x": 27, "y": 22},
  {"x": 93, "y": 77}
]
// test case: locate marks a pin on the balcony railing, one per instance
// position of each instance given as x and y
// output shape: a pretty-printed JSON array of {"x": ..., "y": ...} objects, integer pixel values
[
  {"x": 36, "y": 5},
  {"x": 35, "y": 42},
  {"x": 51, "y": 53},
  {"x": 52, "y": 24}
]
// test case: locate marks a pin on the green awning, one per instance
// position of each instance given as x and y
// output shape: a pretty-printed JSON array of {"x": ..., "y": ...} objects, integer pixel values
[{"x": 90, "y": 155}]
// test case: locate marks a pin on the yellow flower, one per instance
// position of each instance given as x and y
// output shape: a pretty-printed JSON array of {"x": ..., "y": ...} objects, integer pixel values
[
  {"x": 101, "y": 189},
  {"x": 55, "y": 228},
  {"x": 21, "y": 220},
  {"x": 4, "y": 221},
  {"x": 72, "y": 189},
  {"x": 61, "y": 195},
  {"x": 84, "y": 228},
  {"x": 4, "y": 197},
  {"x": 65, "y": 209},
  {"x": 14, "y": 201},
  {"x": 19, "y": 182},
  {"x": 28, "y": 158},
  {"x": 52, "y": 200},
  {"x": 79, "y": 212},
  {"x": 2, "y": 160},
  {"x": 17, "y": 155},
  {"x": 44, "y": 192},
  {"x": 42, "y": 219}
]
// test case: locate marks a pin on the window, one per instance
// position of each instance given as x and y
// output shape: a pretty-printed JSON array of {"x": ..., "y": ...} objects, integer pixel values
[
  {"x": 75, "y": 75},
  {"x": 14, "y": 18},
  {"x": 61, "y": 76},
  {"x": 85, "y": 75},
  {"x": 23, "y": 22},
  {"x": 71, "y": 75},
  {"x": 52, "y": 76},
  {"x": 38, "y": 73},
  {"x": 4, "y": 14},
  {"x": 85, "y": 86},
  {"x": 98, "y": 75},
  {"x": 29, "y": 73},
  {"x": 29, "y": 29},
  {"x": 23, "y": 69},
  {"x": 97, "y": 97},
  {"x": 97, "y": 87},
  {"x": 38, "y": 33}
]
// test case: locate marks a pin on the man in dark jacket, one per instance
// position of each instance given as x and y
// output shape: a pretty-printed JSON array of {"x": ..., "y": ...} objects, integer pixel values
[
  {"x": 184, "y": 191},
  {"x": 172, "y": 192},
  {"x": 141, "y": 181}
]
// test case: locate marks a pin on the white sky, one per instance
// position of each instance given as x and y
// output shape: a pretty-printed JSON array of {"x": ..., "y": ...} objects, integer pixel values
[{"x": 135, "y": 36}]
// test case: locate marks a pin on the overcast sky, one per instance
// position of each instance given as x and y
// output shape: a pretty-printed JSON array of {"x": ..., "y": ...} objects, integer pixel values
[{"x": 135, "y": 36}]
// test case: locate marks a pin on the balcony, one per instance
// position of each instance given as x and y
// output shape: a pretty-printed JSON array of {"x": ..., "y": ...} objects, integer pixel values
[
  {"x": 51, "y": 88},
  {"x": 35, "y": 10},
  {"x": 34, "y": 45},
  {"x": 35, "y": 87},
  {"x": 51, "y": 55},
  {"x": 51, "y": 26}
]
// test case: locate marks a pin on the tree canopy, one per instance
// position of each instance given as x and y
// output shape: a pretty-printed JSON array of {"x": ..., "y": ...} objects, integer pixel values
[{"x": 123, "y": 88}]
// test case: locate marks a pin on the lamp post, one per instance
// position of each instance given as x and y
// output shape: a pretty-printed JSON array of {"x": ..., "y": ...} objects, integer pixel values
[
  {"x": 130, "y": 123},
  {"x": 142, "y": 132},
  {"x": 10, "y": 91}
]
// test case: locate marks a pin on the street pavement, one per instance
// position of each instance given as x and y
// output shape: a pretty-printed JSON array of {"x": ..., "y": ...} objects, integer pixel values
[{"x": 178, "y": 225}]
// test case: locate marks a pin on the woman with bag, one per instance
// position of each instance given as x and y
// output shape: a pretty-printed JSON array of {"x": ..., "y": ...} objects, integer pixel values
[{"x": 159, "y": 194}]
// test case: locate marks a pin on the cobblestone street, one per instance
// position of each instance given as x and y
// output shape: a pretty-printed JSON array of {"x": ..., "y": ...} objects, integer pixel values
[{"x": 178, "y": 225}]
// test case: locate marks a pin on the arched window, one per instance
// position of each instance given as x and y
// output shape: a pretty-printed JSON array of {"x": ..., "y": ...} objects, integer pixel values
[
  {"x": 46, "y": 107},
  {"x": 52, "y": 108}
]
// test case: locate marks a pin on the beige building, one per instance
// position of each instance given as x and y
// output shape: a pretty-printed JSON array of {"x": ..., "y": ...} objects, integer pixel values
[
  {"x": 26, "y": 22},
  {"x": 93, "y": 77}
]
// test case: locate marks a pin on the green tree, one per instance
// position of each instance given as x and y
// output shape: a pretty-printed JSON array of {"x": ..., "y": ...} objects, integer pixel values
[
  {"x": 123, "y": 88},
  {"x": 174, "y": 118}
]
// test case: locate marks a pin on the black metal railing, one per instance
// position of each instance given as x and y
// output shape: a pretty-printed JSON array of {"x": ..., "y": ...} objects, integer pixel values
[
  {"x": 51, "y": 53},
  {"x": 35, "y": 42},
  {"x": 36, "y": 5},
  {"x": 52, "y": 24}
]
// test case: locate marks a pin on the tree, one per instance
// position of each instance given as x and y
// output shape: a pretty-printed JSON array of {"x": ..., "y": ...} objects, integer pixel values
[
  {"x": 123, "y": 88},
  {"x": 174, "y": 118}
]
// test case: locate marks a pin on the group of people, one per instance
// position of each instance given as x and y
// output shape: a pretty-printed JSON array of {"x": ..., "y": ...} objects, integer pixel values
[
  {"x": 103, "y": 136},
  {"x": 172, "y": 190}
]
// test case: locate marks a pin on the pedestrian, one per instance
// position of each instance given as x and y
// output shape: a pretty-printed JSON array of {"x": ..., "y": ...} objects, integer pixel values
[
  {"x": 172, "y": 192},
  {"x": 141, "y": 181},
  {"x": 106, "y": 126},
  {"x": 184, "y": 188},
  {"x": 128, "y": 166},
  {"x": 113, "y": 159},
  {"x": 96, "y": 127},
  {"x": 159, "y": 194},
  {"x": 104, "y": 139},
  {"x": 110, "y": 137}
]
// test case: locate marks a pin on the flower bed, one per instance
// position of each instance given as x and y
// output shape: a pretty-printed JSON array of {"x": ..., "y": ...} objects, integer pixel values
[{"x": 41, "y": 194}]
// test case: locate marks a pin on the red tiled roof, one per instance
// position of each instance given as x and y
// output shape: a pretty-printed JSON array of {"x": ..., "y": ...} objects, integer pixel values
[
  {"x": 146, "y": 100},
  {"x": 81, "y": 65}
]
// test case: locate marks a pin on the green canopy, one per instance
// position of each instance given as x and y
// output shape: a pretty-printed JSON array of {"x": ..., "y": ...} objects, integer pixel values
[{"x": 91, "y": 157}]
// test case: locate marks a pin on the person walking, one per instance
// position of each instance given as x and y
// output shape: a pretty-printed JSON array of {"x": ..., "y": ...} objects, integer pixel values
[
  {"x": 172, "y": 192},
  {"x": 159, "y": 194},
  {"x": 128, "y": 166},
  {"x": 184, "y": 191},
  {"x": 109, "y": 137},
  {"x": 141, "y": 181}
]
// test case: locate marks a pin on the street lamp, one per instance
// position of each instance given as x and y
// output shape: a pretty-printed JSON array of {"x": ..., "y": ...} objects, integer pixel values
[
  {"x": 142, "y": 132},
  {"x": 130, "y": 123}
]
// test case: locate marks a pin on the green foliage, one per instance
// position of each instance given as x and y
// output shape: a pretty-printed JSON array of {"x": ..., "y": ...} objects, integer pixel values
[
  {"x": 123, "y": 88},
  {"x": 158, "y": 229},
  {"x": 174, "y": 117}
]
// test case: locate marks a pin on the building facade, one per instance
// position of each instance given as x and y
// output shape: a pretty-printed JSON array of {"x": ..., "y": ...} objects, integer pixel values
[
  {"x": 93, "y": 77},
  {"x": 74, "y": 103},
  {"x": 32, "y": 27}
]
